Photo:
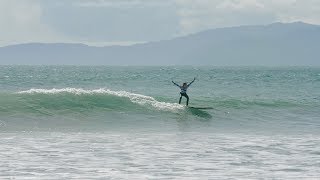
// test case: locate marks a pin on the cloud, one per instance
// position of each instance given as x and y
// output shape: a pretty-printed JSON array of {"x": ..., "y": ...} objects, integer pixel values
[
  {"x": 297, "y": 10},
  {"x": 122, "y": 21},
  {"x": 110, "y": 20},
  {"x": 122, "y": 3},
  {"x": 20, "y": 21},
  {"x": 203, "y": 14}
]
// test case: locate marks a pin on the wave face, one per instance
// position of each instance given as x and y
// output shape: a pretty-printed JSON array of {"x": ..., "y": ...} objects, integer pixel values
[
  {"x": 71, "y": 101},
  {"x": 74, "y": 99},
  {"x": 76, "y": 105},
  {"x": 57, "y": 97}
]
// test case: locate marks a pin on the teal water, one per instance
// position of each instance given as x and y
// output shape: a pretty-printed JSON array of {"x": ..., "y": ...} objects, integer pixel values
[
  {"x": 103, "y": 98},
  {"x": 70, "y": 122}
]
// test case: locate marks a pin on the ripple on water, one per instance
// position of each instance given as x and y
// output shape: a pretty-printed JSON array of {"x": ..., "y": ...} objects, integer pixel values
[{"x": 155, "y": 156}]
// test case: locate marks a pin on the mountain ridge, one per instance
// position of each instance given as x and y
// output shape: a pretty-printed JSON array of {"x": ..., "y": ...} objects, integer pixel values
[{"x": 295, "y": 43}]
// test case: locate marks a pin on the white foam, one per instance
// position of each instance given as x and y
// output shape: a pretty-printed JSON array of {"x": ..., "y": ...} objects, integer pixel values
[{"x": 135, "y": 98}]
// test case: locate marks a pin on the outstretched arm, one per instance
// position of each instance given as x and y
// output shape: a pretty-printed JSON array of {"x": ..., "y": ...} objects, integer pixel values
[
  {"x": 192, "y": 81},
  {"x": 175, "y": 84}
]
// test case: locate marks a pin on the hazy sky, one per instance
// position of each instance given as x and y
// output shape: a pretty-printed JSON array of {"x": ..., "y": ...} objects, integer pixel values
[{"x": 102, "y": 22}]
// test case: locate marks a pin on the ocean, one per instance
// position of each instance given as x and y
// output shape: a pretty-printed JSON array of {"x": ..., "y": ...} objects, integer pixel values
[{"x": 102, "y": 122}]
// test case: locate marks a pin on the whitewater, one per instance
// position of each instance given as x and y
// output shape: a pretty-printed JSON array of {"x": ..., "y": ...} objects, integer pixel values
[{"x": 88, "y": 122}]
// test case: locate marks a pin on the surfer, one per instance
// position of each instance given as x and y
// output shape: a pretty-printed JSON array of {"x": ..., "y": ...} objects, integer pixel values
[{"x": 183, "y": 91}]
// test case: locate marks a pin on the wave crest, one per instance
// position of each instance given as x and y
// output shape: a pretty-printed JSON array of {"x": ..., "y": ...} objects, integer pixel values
[{"x": 140, "y": 99}]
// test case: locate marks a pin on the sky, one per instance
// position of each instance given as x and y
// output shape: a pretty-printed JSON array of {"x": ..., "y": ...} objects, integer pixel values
[{"x": 125, "y": 22}]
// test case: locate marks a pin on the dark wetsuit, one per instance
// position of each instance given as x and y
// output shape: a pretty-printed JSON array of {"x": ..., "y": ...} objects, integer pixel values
[{"x": 183, "y": 91}]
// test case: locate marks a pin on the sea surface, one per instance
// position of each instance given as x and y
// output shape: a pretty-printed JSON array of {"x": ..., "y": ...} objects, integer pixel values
[{"x": 100, "y": 122}]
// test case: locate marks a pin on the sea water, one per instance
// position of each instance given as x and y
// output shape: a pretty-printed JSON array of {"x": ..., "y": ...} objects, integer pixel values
[{"x": 83, "y": 122}]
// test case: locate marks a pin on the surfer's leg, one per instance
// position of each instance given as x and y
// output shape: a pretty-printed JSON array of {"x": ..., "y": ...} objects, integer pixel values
[
  {"x": 187, "y": 99},
  {"x": 180, "y": 99}
]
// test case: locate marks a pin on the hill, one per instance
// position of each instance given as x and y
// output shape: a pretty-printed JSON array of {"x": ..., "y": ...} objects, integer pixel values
[{"x": 271, "y": 45}]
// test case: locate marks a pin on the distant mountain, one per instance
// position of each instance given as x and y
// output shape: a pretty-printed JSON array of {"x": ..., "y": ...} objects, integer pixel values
[{"x": 272, "y": 45}]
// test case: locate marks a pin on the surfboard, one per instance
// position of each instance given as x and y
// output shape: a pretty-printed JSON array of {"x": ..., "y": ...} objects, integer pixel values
[{"x": 192, "y": 107}]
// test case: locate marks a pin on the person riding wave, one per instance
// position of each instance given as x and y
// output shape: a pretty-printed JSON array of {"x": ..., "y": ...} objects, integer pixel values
[{"x": 183, "y": 89}]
